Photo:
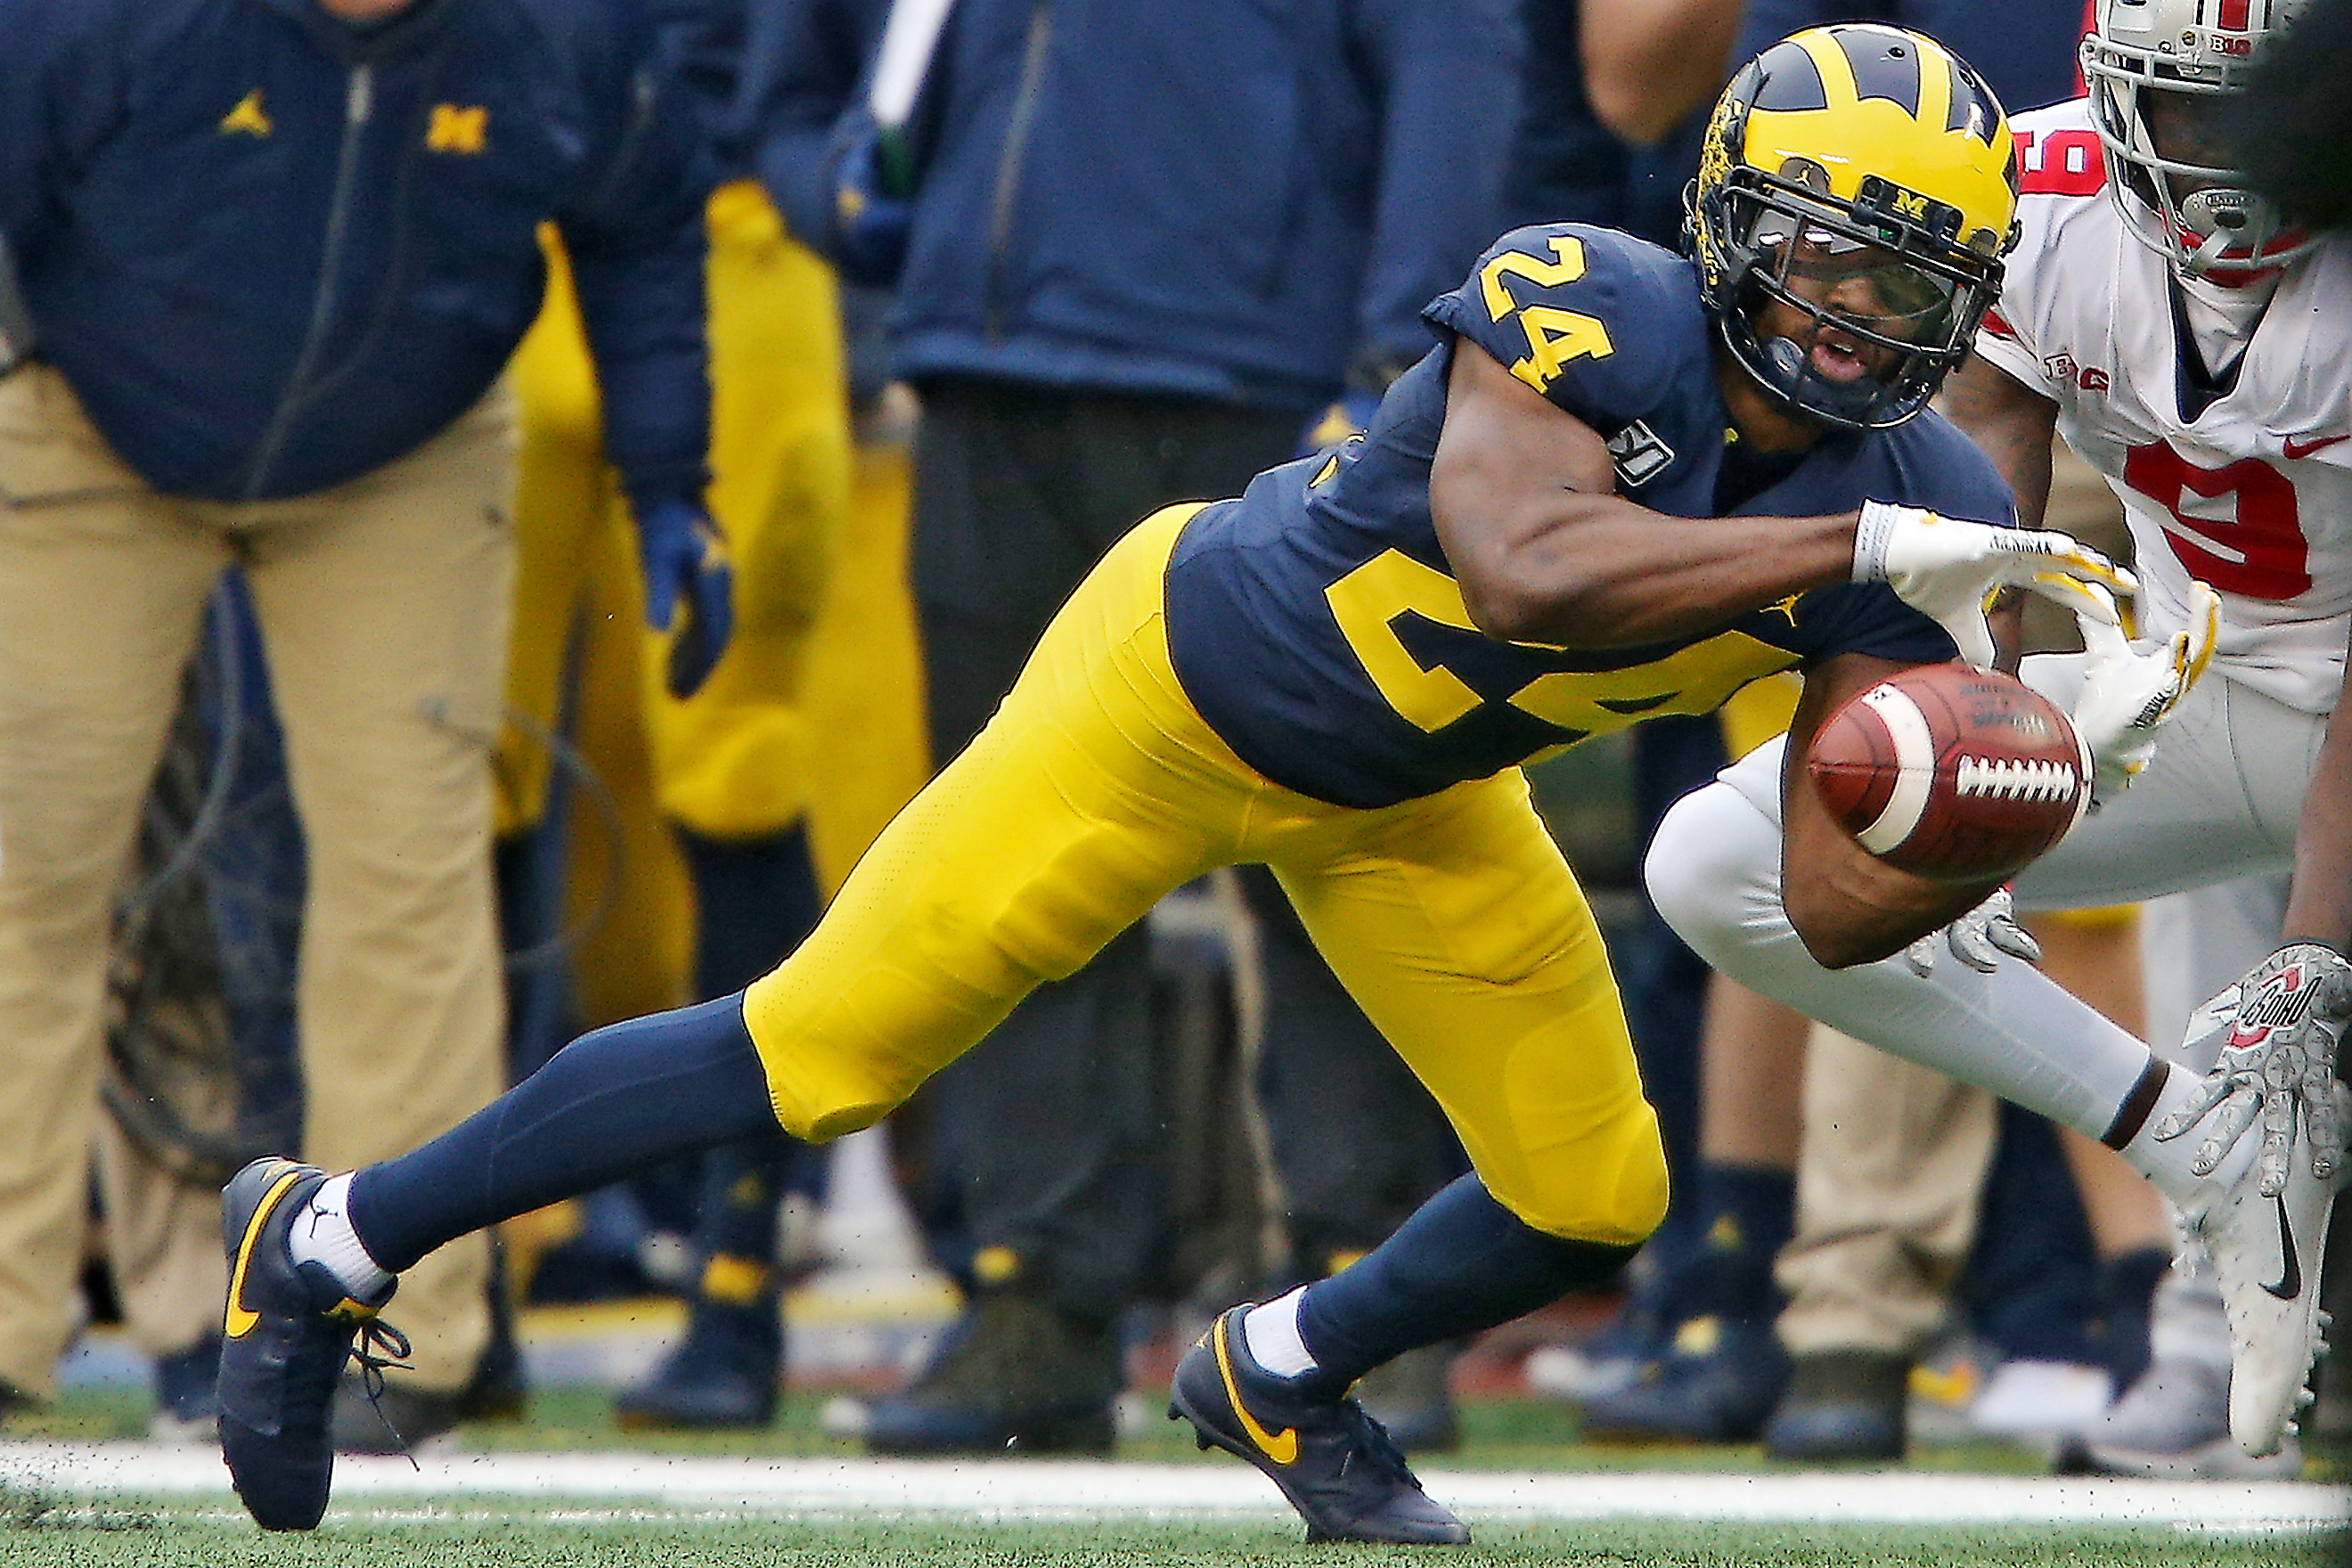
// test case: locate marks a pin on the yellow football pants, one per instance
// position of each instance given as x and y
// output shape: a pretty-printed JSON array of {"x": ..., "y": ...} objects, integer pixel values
[
  {"x": 733, "y": 760},
  {"x": 1453, "y": 920},
  {"x": 864, "y": 688}
]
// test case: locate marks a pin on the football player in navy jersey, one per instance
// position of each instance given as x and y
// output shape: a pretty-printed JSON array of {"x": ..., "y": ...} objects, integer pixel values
[{"x": 1623, "y": 483}]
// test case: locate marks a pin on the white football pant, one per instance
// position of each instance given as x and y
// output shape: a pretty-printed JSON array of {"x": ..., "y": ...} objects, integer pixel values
[{"x": 2219, "y": 802}]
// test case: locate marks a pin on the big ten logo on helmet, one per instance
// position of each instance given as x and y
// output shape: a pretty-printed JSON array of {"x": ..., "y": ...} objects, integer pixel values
[
  {"x": 2233, "y": 29},
  {"x": 2062, "y": 368}
]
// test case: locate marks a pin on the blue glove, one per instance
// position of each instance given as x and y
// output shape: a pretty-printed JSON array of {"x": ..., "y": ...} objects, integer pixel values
[
  {"x": 870, "y": 225},
  {"x": 685, "y": 558}
]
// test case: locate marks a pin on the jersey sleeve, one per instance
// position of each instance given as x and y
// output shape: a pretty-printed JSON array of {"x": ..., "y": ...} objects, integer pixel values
[
  {"x": 2062, "y": 167},
  {"x": 1866, "y": 618},
  {"x": 1560, "y": 306},
  {"x": 2013, "y": 326}
]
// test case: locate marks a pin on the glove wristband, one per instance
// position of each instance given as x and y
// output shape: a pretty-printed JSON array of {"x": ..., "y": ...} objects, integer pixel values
[{"x": 1874, "y": 533}]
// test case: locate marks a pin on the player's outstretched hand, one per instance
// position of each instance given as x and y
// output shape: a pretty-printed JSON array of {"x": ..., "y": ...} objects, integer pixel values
[
  {"x": 1978, "y": 939},
  {"x": 1947, "y": 567},
  {"x": 2275, "y": 1030},
  {"x": 2130, "y": 688}
]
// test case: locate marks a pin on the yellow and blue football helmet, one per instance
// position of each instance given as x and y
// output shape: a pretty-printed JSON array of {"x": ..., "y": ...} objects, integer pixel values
[{"x": 1855, "y": 149}]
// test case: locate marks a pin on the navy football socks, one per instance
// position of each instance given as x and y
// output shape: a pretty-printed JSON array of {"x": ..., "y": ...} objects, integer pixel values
[
  {"x": 1461, "y": 1264},
  {"x": 1744, "y": 1216},
  {"x": 755, "y": 900},
  {"x": 604, "y": 1107}
]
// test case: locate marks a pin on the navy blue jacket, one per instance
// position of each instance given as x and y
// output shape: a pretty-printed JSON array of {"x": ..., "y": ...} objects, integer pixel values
[
  {"x": 1568, "y": 167},
  {"x": 271, "y": 252},
  {"x": 707, "y": 42},
  {"x": 1222, "y": 198},
  {"x": 2023, "y": 48}
]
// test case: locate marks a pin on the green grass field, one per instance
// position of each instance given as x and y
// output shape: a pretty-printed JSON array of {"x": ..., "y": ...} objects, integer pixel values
[
  {"x": 41, "y": 1524},
  {"x": 40, "y": 1530},
  {"x": 1514, "y": 1433},
  {"x": 1497, "y": 1434}
]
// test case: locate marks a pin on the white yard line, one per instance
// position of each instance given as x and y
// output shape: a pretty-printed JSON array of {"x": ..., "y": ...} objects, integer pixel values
[{"x": 1038, "y": 1489}]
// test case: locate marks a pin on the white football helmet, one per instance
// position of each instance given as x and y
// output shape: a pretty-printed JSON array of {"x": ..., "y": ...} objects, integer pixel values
[{"x": 2201, "y": 215}]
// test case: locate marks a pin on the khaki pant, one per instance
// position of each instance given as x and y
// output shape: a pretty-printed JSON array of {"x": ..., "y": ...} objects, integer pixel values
[
  {"x": 163, "y": 1232},
  {"x": 384, "y": 605},
  {"x": 1888, "y": 1174}
]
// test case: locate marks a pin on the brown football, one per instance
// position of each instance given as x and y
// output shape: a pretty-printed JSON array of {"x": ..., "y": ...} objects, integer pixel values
[{"x": 1952, "y": 773}]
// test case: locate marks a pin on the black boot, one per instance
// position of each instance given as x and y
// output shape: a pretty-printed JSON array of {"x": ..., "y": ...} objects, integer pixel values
[
  {"x": 727, "y": 1371},
  {"x": 1016, "y": 1374},
  {"x": 1841, "y": 1404}
]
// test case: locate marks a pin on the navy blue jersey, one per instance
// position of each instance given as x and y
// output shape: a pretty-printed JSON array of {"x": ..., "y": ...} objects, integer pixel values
[{"x": 1317, "y": 628}]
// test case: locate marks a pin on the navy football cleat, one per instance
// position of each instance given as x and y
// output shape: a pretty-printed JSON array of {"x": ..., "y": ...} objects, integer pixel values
[
  {"x": 289, "y": 1330},
  {"x": 1334, "y": 1462}
]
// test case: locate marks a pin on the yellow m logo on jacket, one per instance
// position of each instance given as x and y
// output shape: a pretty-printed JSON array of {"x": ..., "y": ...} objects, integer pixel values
[
  {"x": 247, "y": 119},
  {"x": 456, "y": 130}
]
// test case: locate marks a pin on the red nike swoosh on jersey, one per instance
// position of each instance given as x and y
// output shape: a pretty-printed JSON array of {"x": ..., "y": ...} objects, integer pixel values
[{"x": 2296, "y": 449}]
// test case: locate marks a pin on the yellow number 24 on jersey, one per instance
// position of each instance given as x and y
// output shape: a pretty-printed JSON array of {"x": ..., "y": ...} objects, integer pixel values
[
  {"x": 1371, "y": 601},
  {"x": 1555, "y": 336}
]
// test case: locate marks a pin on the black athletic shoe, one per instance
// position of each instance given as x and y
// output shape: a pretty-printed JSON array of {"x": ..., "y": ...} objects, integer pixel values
[
  {"x": 1015, "y": 1375},
  {"x": 1333, "y": 1462},
  {"x": 1841, "y": 1404},
  {"x": 288, "y": 1331},
  {"x": 724, "y": 1374},
  {"x": 1717, "y": 1382}
]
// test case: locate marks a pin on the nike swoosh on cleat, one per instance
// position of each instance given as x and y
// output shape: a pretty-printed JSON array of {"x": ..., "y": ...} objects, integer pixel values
[
  {"x": 2290, "y": 1283},
  {"x": 2296, "y": 449},
  {"x": 242, "y": 1317},
  {"x": 1281, "y": 1447}
]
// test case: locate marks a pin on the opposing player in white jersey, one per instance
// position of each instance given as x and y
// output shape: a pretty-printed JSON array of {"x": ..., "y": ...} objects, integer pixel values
[{"x": 2191, "y": 348}]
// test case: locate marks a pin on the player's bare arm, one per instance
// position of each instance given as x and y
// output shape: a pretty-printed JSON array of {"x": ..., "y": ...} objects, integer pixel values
[
  {"x": 1648, "y": 63},
  {"x": 2015, "y": 427},
  {"x": 1523, "y": 495},
  {"x": 1848, "y": 906},
  {"x": 2012, "y": 424}
]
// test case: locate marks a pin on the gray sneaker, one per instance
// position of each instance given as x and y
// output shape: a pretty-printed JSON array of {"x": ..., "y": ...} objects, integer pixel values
[{"x": 2174, "y": 1425}]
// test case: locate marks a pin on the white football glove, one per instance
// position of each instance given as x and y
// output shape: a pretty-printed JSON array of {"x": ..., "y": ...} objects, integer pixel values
[
  {"x": 2130, "y": 688},
  {"x": 2276, "y": 1030},
  {"x": 1948, "y": 568},
  {"x": 1977, "y": 939}
]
